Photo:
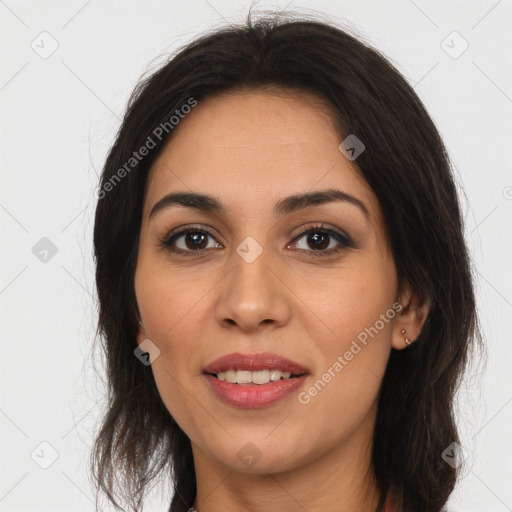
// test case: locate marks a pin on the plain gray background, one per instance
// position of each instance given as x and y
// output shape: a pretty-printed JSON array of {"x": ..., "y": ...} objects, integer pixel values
[{"x": 67, "y": 71}]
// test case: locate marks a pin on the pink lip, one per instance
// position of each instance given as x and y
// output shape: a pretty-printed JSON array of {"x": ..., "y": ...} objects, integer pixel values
[
  {"x": 254, "y": 396},
  {"x": 254, "y": 362}
]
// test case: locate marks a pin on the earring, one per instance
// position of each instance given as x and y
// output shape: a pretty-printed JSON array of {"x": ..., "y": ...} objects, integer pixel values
[{"x": 407, "y": 339}]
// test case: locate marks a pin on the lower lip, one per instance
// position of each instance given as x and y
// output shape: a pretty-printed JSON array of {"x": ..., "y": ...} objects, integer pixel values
[{"x": 254, "y": 396}]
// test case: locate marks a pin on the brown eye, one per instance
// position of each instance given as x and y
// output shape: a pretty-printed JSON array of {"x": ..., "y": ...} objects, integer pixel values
[
  {"x": 320, "y": 241},
  {"x": 189, "y": 241}
]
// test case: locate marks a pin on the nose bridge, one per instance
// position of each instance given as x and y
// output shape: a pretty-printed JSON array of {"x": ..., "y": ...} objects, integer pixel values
[
  {"x": 250, "y": 274},
  {"x": 251, "y": 291}
]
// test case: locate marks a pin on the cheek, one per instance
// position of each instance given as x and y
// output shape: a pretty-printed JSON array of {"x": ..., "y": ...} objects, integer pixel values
[
  {"x": 173, "y": 323},
  {"x": 342, "y": 394},
  {"x": 358, "y": 310},
  {"x": 174, "y": 309},
  {"x": 354, "y": 300},
  {"x": 172, "y": 304}
]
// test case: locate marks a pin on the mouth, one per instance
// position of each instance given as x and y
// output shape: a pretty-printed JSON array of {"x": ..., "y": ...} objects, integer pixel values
[{"x": 259, "y": 369}]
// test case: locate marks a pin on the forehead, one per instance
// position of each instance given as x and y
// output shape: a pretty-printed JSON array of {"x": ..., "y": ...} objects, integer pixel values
[{"x": 254, "y": 147}]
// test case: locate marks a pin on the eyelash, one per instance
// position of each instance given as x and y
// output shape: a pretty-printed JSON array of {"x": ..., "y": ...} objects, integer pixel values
[{"x": 343, "y": 239}]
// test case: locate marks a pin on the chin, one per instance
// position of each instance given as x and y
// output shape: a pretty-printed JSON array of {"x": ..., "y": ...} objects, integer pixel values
[{"x": 256, "y": 455}]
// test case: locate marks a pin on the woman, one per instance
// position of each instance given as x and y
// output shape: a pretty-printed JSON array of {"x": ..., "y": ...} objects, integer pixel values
[{"x": 286, "y": 298}]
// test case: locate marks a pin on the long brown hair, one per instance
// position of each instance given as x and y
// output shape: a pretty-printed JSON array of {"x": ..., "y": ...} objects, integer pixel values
[{"x": 406, "y": 165}]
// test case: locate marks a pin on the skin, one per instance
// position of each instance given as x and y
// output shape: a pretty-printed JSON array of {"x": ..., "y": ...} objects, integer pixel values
[{"x": 262, "y": 146}]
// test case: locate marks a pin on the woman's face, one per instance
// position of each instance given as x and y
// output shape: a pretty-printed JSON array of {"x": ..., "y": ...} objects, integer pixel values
[{"x": 248, "y": 280}]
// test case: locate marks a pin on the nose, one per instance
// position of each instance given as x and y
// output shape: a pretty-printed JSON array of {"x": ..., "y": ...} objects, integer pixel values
[{"x": 253, "y": 295}]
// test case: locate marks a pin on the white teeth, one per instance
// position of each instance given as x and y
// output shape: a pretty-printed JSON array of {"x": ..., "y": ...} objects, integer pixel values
[
  {"x": 275, "y": 374},
  {"x": 231, "y": 376},
  {"x": 260, "y": 377},
  {"x": 248, "y": 377},
  {"x": 243, "y": 377}
]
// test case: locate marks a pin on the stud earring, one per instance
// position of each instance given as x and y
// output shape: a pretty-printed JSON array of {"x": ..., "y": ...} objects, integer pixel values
[{"x": 407, "y": 339}]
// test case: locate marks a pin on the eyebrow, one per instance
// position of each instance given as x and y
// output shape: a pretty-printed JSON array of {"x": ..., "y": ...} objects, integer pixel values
[{"x": 282, "y": 207}]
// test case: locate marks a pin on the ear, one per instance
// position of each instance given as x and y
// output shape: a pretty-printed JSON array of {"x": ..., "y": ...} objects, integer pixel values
[{"x": 410, "y": 319}]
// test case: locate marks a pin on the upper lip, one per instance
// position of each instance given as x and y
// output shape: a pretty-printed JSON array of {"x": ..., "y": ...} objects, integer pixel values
[{"x": 254, "y": 362}]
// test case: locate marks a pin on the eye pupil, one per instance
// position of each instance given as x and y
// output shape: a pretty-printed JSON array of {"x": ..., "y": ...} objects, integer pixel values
[
  {"x": 317, "y": 241},
  {"x": 196, "y": 238}
]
